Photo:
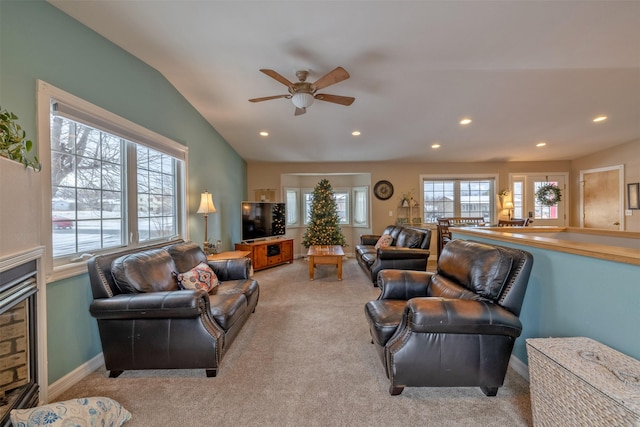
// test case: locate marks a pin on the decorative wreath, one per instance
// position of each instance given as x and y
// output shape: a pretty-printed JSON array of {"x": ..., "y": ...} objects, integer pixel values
[{"x": 548, "y": 195}]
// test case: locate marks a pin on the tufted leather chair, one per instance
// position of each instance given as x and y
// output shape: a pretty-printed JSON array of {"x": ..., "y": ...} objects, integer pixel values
[
  {"x": 409, "y": 250},
  {"x": 455, "y": 327}
]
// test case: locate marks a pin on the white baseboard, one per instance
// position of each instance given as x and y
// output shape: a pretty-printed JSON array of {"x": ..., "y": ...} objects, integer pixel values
[
  {"x": 66, "y": 382},
  {"x": 519, "y": 366}
]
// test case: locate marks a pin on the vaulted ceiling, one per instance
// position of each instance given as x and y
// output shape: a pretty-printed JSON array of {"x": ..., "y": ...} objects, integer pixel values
[{"x": 524, "y": 72}]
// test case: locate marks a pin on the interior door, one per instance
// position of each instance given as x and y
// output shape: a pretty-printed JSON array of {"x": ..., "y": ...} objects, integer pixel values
[
  {"x": 601, "y": 199},
  {"x": 545, "y": 215}
]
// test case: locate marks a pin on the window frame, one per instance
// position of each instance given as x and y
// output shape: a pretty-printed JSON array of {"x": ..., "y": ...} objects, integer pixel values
[
  {"x": 461, "y": 177},
  {"x": 118, "y": 126}
]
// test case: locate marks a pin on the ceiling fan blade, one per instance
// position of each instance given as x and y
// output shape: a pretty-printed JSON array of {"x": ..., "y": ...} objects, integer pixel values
[
  {"x": 336, "y": 76},
  {"x": 267, "y": 98},
  {"x": 274, "y": 75},
  {"x": 336, "y": 99},
  {"x": 300, "y": 111}
]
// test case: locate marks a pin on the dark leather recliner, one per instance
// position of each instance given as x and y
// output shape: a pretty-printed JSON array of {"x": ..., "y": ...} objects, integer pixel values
[
  {"x": 409, "y": 250},
  {"x": 455, "y": 327},
  {"x": 145, "y": 322}
]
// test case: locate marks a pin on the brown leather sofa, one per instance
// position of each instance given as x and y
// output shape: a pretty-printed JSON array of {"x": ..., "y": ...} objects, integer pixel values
[
  {"x": 409, "y": 250},
  {"x": 455, "y": 327},
  {"x": 145, "y": 322}
]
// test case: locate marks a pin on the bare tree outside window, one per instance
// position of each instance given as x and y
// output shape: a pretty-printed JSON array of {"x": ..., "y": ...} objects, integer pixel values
[{"x": 88, "y": 178}]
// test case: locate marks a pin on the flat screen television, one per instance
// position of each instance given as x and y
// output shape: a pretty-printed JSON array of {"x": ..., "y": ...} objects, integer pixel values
[{"x": 262, "y": 219}]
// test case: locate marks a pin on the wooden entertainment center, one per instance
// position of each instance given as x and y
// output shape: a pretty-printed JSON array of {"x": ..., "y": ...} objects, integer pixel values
[{"x": 268, "y": 253}]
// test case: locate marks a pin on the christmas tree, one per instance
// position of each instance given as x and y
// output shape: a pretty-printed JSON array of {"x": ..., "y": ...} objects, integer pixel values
[{"x": 323, "y": 228}]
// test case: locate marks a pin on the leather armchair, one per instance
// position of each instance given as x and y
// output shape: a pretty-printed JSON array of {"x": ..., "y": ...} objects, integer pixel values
[
  {"x": 455, "y": 327},
  {"x": 409, "y": 250}
]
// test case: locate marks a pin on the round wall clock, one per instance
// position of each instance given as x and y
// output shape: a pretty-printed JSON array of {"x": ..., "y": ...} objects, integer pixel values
[{"x": 383, "y": 190}]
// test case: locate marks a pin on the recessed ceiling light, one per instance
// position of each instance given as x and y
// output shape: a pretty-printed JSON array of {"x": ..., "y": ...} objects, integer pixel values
[
  {"x": 600, "y": 119},
  {"x": 355, "y": 133},
  {"x": 541, "y": 144},
  {"x": 465, "y": 121},
  {"x": 264, "y": 133},
  {"x": 434, "y": 146}
]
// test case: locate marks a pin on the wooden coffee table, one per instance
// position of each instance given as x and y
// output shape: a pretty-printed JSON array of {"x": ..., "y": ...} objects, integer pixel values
[{"x": 325, "y": 254}]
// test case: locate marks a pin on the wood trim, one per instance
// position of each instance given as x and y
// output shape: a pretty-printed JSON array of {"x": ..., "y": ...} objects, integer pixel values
[{"x": 594, "y": 250}]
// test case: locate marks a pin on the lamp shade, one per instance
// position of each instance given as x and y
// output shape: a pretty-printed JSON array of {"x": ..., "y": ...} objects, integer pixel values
[
  {"x": 302, "y": 99},
  {"x": 206, "y": 203},
  {"x": 508, "y": 205}
]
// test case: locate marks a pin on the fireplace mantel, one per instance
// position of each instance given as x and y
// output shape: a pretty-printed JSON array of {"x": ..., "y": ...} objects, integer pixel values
[{"x": 10, "y": 261}]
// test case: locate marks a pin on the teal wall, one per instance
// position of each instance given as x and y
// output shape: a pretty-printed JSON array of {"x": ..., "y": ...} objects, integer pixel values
[
  {"x": 37, "y": 41},
  {"x": 573, "y": 295}
]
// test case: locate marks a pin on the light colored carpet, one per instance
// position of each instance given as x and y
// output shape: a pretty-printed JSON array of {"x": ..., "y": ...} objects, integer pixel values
[{"x": 303, "y": 358}]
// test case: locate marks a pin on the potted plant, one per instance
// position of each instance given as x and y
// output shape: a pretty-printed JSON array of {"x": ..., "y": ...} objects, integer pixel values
[{"x": 14, "y": 144}]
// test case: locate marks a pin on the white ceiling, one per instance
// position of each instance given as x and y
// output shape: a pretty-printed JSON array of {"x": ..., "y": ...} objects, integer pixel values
[{"x": 524, "y": 71}]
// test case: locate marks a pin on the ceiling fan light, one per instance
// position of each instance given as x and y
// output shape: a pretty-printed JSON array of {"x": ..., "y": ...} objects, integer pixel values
[{"x": 302, "y": 99}]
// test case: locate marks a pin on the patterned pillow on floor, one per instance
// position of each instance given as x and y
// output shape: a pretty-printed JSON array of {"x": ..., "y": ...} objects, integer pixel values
[{"x": 83, "y": 412}]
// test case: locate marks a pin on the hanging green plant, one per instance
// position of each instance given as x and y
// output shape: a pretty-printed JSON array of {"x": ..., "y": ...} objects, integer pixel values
[
  {"x": 549, "y": 195},
  {"x": 14, "y": 144}
]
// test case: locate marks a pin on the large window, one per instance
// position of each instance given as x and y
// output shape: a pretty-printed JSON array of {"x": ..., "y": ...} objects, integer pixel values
[
  {"x": 352, "y": 205},
  {"x": 112, "y": 183},
  {"x": 342, "y": 204},
  {"x": 458, "y": 197}
]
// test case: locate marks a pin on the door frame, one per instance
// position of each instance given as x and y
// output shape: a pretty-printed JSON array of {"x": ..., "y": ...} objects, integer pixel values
[
  {"x": 620, "y": 169},
  {"x": 565, "y": 192}
]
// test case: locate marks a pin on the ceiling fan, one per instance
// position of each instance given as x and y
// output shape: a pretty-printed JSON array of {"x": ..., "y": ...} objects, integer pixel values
[{"x": 303, "y": 93}]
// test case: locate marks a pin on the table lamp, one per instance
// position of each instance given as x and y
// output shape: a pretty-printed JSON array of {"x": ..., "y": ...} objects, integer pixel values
[
  {"x": 206, "y": 207},
  {"x": 509, "y": 206}
]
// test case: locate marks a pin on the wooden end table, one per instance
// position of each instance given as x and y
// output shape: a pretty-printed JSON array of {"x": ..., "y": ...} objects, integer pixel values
[
  {"x": 325, "y": 254},
  {"x": 228, "y": 255},
  {"x": 231, "y": 255}
]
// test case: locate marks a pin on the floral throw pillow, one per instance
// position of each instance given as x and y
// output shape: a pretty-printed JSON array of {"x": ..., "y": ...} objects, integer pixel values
[
  {"x": 199, "y": 277},
  {"x": 83, "y": 412},
  {"x": 384, "y": 241}
]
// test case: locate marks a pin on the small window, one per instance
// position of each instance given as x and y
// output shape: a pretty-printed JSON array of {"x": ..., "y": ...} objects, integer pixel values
[
  {"x": 360, "y": 206},
  {"x": 156, "y": 194},
  {"x": 518, "y": 198},
  {"x": 292, "y": 198},
  {"x": 342, "y": 205},
  {"x": 307, "y": 199}
]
